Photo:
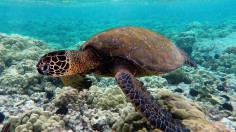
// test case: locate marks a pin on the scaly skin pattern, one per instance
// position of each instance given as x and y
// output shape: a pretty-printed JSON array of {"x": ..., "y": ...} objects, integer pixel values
[
  {"x": 146, "y": 104},
  {"x": 54, "y": 63},
  {"x": 67, "y": 62}
]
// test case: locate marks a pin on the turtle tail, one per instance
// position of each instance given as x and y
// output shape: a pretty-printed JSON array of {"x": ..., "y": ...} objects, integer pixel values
[{"x": 187, "y": 59}]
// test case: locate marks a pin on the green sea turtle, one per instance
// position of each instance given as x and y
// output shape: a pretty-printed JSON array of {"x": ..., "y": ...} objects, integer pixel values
[{"x": 124, "y": 53}]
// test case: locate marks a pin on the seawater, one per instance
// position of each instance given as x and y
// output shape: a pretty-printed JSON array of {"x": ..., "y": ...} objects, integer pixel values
[
  {"x": 65, "y": 23},
  {"x": 204, "y": 29}
]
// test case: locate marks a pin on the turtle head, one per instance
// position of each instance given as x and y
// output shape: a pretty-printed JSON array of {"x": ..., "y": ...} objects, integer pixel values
[{"x": 55, "y": 64}]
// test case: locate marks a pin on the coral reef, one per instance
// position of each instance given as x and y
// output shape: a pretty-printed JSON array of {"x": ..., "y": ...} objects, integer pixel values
[
  {"x": 189, "y": 112},
  {"x": 206, "y": 81},
  {"x": 106, "y": 98},
  {"x": 154, "y": 82},
  {"x": 216, "y": 54},
  {"x": 194, "y": 26},
  {"x": 179, "y": 106},
  {"x": 18, "y": 104},
  {"x": 224, "y": 62},
  {"x": 65, "y": 96},
  {"x": 36, "y": 121},
  {"x": 204, "y": 37},
  {"x": 130, "y": 121},
  {"x": 17, "y": 65},
  {"x": 177, "y": 77},
  {"x": 186, "y": 40},
  {"x": 82, "y": 115},
  {"x": 215, "y": 89},
  {"x": 230, "y": 50},
  {"x": 103, "y": 107},
  {"x": 209, "y": 31}
]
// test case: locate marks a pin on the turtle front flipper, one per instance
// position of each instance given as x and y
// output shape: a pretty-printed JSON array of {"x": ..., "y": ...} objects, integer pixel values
[{"x": 146, "y": 104}]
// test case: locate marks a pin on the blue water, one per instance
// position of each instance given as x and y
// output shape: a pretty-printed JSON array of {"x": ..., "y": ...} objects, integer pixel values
[
  {"x": 66, "y": 23},
  {"x": 204, "y": 29}
]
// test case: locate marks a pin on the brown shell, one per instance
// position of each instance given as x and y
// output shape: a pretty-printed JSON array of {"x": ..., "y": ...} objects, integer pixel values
[{"x": 148, "y": 49}]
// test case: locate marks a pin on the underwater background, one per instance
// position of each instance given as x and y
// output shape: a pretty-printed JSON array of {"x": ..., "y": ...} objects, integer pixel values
[{"x": 204, "y": 98}]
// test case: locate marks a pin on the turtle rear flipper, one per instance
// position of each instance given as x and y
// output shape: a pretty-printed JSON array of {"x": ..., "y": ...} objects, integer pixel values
[
  {"x": 187, "y": 59},
  {"x": 147, "y": 105},
  {"x": 76, "y": 81}
]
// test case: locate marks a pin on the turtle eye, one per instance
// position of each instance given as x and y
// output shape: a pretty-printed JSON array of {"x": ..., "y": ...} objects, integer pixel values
[{"x": 45, "y": 67}]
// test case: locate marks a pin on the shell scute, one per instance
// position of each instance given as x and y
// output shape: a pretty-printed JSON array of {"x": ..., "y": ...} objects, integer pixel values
[{"x": 148, "y": 49}]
